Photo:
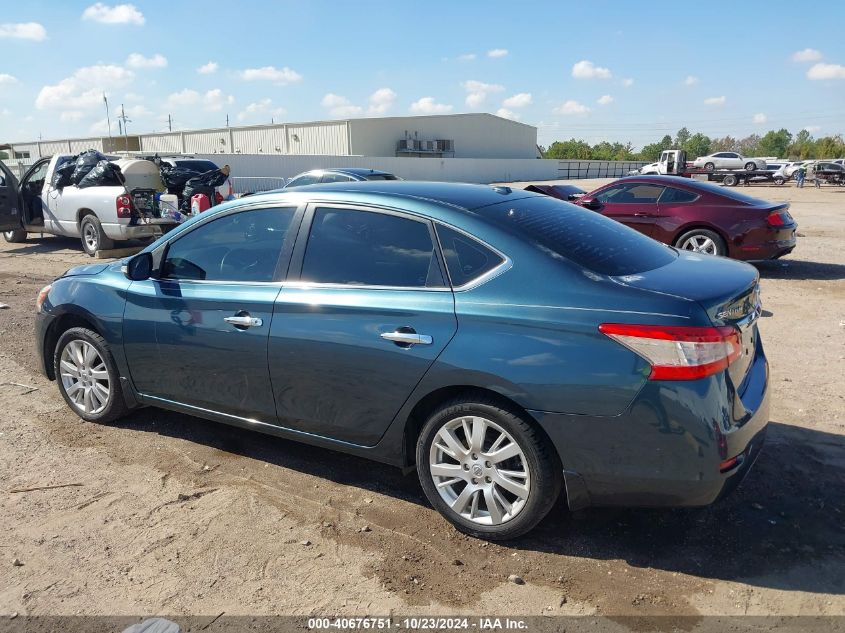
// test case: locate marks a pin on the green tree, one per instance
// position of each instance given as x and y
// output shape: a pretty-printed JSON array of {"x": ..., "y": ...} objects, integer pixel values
[
  {"x": 749, "y": 145},
  {"x": 724, "y": 144},
  {"x": 775, "y": 143},
  {"x": 652, "y": 151},
  {"x": 830, "y": 147},
  {"x": 803, "y": 146},
  {"x": 697, "y": 145},
  {"x": 682, "y": 137},
  {"x": 570, "y": 149}
]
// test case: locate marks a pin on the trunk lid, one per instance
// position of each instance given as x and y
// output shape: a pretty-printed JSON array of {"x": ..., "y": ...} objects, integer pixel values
[{"x": 728, "y": 290}]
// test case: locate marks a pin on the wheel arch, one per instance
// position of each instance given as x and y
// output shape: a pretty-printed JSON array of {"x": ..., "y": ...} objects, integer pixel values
[
  {"x": 698, "y": 224},
  {"x": 60, "y": 325},
  {"x": 81, "y": 213}
]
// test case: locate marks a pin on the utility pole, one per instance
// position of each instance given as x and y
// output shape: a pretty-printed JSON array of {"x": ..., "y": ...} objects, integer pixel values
[
  {"x": 108, "y": 119},
  {"x": 169, "y": 123},
  {"x": 124, "y": 119},
  {"x": 227, "y": 120}
]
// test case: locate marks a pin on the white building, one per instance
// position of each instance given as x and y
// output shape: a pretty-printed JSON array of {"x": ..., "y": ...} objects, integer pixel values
[{"x": 476, "y": 135}]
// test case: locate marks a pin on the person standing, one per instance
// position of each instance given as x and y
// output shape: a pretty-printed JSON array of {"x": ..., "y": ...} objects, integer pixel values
[
  {"x": 816, "y": 180},
  {"x": 800, "y": 174}
]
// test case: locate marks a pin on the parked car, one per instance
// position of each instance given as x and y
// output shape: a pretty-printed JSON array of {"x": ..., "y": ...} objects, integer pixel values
[
  {"x": 697, "y": 216},
  {"x": 728, "y": 160},
  {"x": 561, "y": 192},
  {"x": 99, "y": 216},
  {"x": 350, "y": 174},
  {"x": 507, "y": 343},
  {"x": 827, "y": 171}
]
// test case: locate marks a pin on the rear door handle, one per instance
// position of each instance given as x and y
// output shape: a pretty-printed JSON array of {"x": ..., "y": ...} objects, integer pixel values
[
  {"x": 407, "y": 338},
  {"x": 244, "y": 321}
]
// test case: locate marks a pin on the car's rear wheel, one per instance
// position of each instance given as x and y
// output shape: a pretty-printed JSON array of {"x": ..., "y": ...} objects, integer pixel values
[
  {"x": 488, "y": 470},
  {"x": 702, "y": 241},
  {"x": 779, "y": 180},
  {"x": 87, "y": 376},
  {"x": 93, "y": 237},
  {"x": 15, "y": 236},
  {"x": 709, "y": 167},
  {"x": 749, "y": 166}
]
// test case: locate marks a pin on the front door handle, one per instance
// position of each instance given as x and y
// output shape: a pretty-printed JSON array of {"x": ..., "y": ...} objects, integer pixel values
[
  {"x": 242, "y": 321},
  {"x": 407, "y": 338}
]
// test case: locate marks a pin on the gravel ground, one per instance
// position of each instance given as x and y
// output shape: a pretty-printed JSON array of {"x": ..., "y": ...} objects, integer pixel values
[{"x": 177, "y": 515}]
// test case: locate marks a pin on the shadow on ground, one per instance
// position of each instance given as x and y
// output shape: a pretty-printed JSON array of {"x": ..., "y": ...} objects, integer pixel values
[
  {"x": 797, "y": 269},
  {"x": 789, "y": 512}
]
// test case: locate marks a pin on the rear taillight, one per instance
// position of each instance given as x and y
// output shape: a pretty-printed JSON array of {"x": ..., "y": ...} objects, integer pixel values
[
  {"x": 779, "y": 218},
  {"x": 123, "y": 204},
  {"x": 678, "y": 353},
  {"x": 218, "y": 197}
]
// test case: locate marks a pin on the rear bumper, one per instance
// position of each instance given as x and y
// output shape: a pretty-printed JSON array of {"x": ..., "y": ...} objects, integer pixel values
[
  {"x": 666, "y": 450},
  {"x": 137, "y": 231},
  {"x": 768, "y": 244}
]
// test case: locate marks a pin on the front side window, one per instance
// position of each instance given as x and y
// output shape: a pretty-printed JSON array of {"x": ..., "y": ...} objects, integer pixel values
[
  {"x": 238, "y": 247},
  {"x": 466, "y": 258},
  {"x": 367, "y": 248},
  {"x": 642, "y": 193},
  {"x": 335, "y": 178}
]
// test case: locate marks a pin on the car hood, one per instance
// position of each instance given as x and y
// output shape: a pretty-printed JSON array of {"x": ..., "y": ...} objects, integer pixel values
[{"x": 87, "y": 269}]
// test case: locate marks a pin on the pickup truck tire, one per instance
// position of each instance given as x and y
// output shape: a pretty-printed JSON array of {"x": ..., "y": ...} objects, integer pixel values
[
  {"x": 93, "y": 237},
  {"x": 15, "y": 236}
]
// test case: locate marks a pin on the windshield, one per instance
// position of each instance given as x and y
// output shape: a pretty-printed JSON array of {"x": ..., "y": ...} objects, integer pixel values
[{"x": 584, "y": 237}]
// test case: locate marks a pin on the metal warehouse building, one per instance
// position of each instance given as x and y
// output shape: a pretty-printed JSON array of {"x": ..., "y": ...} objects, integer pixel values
[{"x": 476, "y": 135}]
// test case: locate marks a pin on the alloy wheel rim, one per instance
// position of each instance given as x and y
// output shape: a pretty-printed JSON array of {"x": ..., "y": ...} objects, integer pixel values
[
  {"x": 479, "y": 470},
  {"x": 699, "y": 244},
  {"x": 91, "y": 236},
  {"x": 84, "y": 376}
]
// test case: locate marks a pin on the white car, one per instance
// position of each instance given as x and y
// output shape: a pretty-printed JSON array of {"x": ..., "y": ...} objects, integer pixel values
[{"x": 729, "y": 160}]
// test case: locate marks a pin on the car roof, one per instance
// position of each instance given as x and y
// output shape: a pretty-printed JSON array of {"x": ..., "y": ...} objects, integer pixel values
[
  {"x": 355, "y": 171},
  {"x": 458, "y": 195}
]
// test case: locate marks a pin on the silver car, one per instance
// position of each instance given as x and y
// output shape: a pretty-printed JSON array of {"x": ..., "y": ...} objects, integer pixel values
[{"x": 728, "y": 160}]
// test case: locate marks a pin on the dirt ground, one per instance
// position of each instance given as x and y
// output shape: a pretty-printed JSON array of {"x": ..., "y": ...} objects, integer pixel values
[{"x": 177, "y": 515}]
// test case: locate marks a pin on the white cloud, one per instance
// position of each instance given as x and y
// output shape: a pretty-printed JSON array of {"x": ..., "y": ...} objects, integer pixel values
[
  {"x": 6, "y": 80},
  {"x": 759, "y": 118},
  {"x": 627, "y": 83},
  {"x": 497, "y": 52},
  {"x": 571, "y": 108},
  {"x": 807, "y": 55},
  {"x": 84, "y": 89},
  {"x": 467, "y": 57},
  {"x": 604, "y": 100},
  {"x": 427, "y": 105},
  {"x": 138, "y": 111},
  {"x": 340, "y": 106},
  {"x": 132, "y": 96},
  {"x": 478, "y": 91},
  {"x": 136, "y": 60},
  {"x": 186, "y": 97},
  {"x": 812, "y": 128},
  {"x": 101, "y": 127},
  {"x": 381, "y": 101},
  {"x": 715, "y": 101},
  {"x": 262, "y": 109},
  {"x": 826, "y": 71},
  {"x": 519, "y": 100},
  {"x": 691, "y": 80},
  {"x": 71, "y": 116},
  {"x": 208, "y": 69},
  {"x": 117, "y": 14},
  {"x": 507, "y": 114},
  {"x": 585, "y": 69},
  {"x": 23, "y": 31},
  {"x": 215, "y": 99},
  {"x": 280, "y": 76}
]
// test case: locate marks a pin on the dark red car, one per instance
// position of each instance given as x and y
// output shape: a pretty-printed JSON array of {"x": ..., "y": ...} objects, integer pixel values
[{"x": 697, "y": 216}]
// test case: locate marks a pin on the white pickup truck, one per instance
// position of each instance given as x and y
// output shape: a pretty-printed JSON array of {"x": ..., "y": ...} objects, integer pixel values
[{"x": 100, "y": 216}]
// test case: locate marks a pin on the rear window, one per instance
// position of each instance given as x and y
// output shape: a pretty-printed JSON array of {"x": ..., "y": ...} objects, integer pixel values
[
  {"x": 584, "y": 237},
  {"x": 201, "y": 166}
]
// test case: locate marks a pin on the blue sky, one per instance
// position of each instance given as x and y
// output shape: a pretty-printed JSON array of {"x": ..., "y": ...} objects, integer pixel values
[{"x": 593, "y": 70}]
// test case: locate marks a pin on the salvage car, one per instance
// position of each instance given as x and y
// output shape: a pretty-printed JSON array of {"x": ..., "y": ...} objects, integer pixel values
[
  {"x": 827, "y": 171},
  {"x": 698, "y": 216},
  {"x": 728, "y": 160},
  {"x": 345, "y": 174},
  {"x": 508, "y": 344},
  {"x": 99, "y": 215}
]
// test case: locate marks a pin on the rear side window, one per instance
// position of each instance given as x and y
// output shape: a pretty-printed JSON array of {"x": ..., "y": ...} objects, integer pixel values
[
  {"x": 466, "y": 258},
  {"x": 642, "y": 193},
  {"x": 677, "y": 195},
  {"x": 307, "y": 179},
  {"x": 586, "y": 238},
  {"x": 335, "y": 178},
  {"x": 367, "y": 248}
]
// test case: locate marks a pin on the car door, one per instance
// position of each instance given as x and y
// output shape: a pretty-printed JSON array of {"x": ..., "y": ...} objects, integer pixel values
[
  {"x": 196, "y": 334},
  {"x": 732, "y": 160},
  {"x": 632, "y": 204},
  {"x": 364, "y": 314},
  {"x": 10, "y": 217},
  {"x": 673, "y": 211}
]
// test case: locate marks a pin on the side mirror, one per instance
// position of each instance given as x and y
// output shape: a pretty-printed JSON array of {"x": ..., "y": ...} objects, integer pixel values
[
  {"x": 590, "y": 203},
  {"x": 139, "y": 267}
]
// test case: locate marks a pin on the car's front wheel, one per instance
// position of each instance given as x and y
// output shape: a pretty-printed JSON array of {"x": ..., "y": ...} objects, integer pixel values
[
  {"x": 15, "y": 236},
  {"x": 702, "y": 241},
  {"x": 87, "y": 376},
  {"x": 488, "y": 470}
]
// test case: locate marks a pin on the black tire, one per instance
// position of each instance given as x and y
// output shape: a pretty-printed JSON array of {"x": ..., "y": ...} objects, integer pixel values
[
  {"x": 730, "y": 180},
  {"x": 720, "y": 247},
  {"x": 709, "y": 167},
  {"x": 541, "y": 462},
  {"x": 115, "y": 406},
  {"x": 92, "y": 235},
  {"x": 779, "y": 180},
  {"x": 749, "y": 166},
  {"x": 15, "y": 236}
]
